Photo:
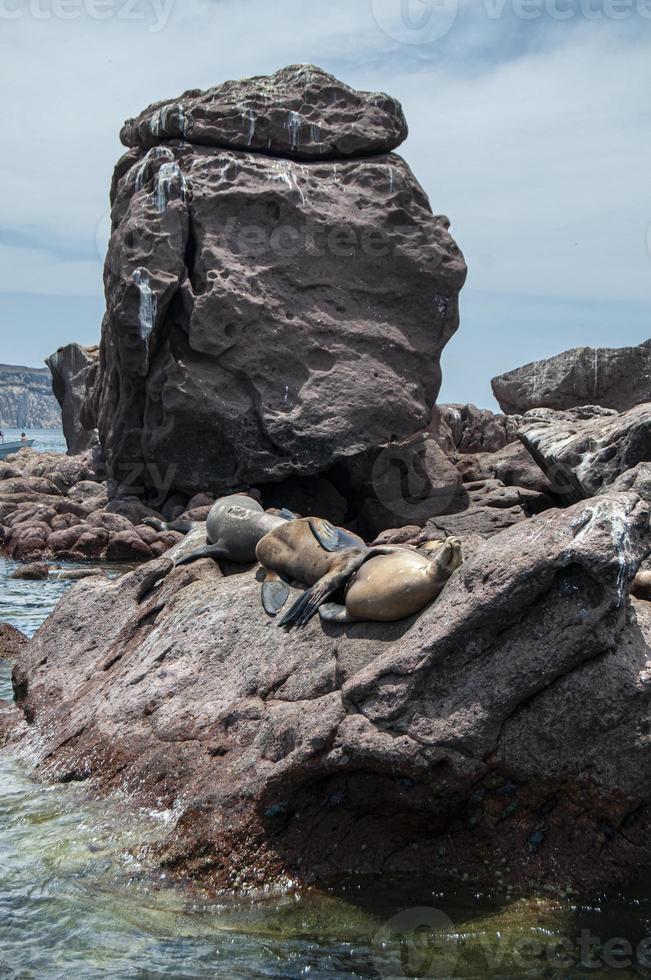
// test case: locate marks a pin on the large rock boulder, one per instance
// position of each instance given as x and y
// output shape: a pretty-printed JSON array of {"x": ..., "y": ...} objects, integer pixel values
[
  {"x": 510, "y": 718},
  {"x": 583, "y": 452},
  {"x": 615, "y": 378},
  {"x": 73, "y": 370},
  {"x": 267, "y": 318},
  {"x": 300, "y": 112}
]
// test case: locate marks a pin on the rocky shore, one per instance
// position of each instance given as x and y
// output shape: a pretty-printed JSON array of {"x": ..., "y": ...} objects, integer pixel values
[{"x": 501, "y": 733}]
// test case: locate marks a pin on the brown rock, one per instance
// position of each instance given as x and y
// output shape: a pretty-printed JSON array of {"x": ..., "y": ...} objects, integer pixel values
[
  {"x": 615, "y": 378},
  {"x": 73, "y": 370},
  {"x": 584, "y": 456},
  {"x": 12, "y": 642},
  {"x": 288, "y": 752},
  {"x": 226, "y": 256},
  {"x": 127, "y": 546},
  {"x": 36, "y": 572},
  {"x": 300, "y": 111}
]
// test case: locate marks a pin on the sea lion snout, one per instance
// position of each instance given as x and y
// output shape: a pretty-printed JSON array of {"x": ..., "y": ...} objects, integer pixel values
[{"x": 450, "y": 555}]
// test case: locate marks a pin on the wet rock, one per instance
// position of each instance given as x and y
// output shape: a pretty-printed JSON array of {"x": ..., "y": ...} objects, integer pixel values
[
  {"x": 173, "y": 685},
  {"x": 12, "y": 642},
  {"x": 220, "y": 258},
  {"x": 615, "y": 378},
  {"x": 36, "y": 572},
  {"x": 300, "y": 112},
  {"x": 73, "y": 370}
]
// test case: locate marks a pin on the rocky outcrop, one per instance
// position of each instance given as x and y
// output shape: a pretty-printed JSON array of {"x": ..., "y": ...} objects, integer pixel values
[
  {"x": 267, "y": 317},
  {"x": 615, "y": 378},
  {"x": 583, "y": 452},
  {"x": 26, "y": 400},
  {"x": 73, "y": 370},
  {"x": 509, "y": 718},
  {"x": 466, "y": 429},
  {"x": 55, "y": 506},
  {"x": 300, "y": 112}
]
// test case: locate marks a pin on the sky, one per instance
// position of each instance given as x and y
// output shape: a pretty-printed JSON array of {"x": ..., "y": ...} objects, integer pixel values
[{"x": 529, "y": 127}]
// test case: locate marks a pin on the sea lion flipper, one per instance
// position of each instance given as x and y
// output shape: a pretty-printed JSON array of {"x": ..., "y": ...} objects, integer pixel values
[
  {"x": 288, "y": 514},
  {"x": 307, "y": 605},
  {"x": 325, "y": 533},
  {"x": 210, "y": 551},
  {"x": 275, "y": 594},
  {"x": 332, "y": 612}
]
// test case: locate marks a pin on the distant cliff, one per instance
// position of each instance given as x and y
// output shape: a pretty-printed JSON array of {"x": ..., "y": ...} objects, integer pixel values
[{"x": 26, "y": 399}]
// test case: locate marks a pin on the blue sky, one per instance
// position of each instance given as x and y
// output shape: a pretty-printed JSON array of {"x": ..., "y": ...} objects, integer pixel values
[{"x": 529, "y": 126}]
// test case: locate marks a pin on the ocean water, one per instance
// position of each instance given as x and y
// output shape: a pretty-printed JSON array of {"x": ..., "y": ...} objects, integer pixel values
[
  {"x": 46, "y": 440},
  {"x": 79, "y": 899}
]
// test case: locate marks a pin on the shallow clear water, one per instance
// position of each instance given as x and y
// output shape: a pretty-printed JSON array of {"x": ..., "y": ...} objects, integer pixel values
[{"x": 78, "y": 898}]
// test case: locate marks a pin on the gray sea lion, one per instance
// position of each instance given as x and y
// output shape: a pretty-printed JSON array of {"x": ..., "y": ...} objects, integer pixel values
[
  {"x": 234, "y": 526},
  {"x": 390, "y": 587},
  {"x": 325, "y": 558},
  {"x": 641, "y": 587}
]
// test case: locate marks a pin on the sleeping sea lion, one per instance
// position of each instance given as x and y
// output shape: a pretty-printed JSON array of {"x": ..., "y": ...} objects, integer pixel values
[
  {"x": 234, "y": 526},
  {"x": 393, "y": 586},
  {"x": 306, "y": 550},
  {"x": 325, "y": 558}
]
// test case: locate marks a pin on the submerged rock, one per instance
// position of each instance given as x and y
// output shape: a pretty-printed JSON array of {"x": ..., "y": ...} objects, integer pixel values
[
  {"x": 36, "y": 572},
  {"x": 368, "y": 747},
  {"x": 615, "y": 378}
]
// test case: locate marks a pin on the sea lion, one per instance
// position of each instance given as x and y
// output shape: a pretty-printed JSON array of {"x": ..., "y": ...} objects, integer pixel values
[
  {"x": 325, "y": 558},
  {"x": 234, "y": 526},
  {"x": 306, "y": 550},
  {"x": 390, "y": 587},
  {"x": 641, "y": 587}
]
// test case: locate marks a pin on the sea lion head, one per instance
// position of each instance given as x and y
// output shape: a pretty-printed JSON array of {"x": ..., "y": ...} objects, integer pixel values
[{"x": 447, "y": 558}]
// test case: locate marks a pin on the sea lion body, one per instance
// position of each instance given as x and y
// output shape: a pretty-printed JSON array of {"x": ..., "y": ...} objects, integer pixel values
[
  {"x": 234, "y": 527},
  {"x": 390, "y": 587},
  {"x": 383, "y": 584},
  {"x": 293, "y": 552}
]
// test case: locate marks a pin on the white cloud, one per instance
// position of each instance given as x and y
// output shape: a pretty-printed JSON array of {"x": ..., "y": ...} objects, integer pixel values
[{"x": 532, "y": 135}]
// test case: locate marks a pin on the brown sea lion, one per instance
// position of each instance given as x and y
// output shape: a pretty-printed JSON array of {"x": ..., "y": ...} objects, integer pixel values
[
  {"x": 313, "y": 552},
  {"x": 390, "y": 587}
]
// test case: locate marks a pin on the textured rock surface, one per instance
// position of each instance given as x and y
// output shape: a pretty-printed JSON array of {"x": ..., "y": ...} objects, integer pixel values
[
  {"x": 73, "y": 370},
  {"x": 582, "y": 456},
  {"x": 615, "y": 378},
  {"x": 291, "y": 753},
  {"x": 468, "y": 429},
  {"x": 26, "y": 399},
  {"x": 300, "y": 112},
  {"x": 12, "y": 642},
  {"x": 267, "y": 318}
]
